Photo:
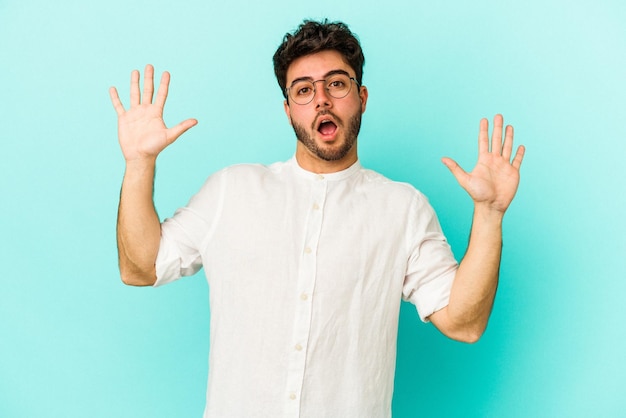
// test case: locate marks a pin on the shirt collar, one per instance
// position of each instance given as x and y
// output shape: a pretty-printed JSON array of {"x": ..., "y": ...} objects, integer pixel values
[{"x": 336, "y": 176}]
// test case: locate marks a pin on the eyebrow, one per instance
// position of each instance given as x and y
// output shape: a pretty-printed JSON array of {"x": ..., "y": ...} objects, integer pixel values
[{"x": 328, "y": 74}]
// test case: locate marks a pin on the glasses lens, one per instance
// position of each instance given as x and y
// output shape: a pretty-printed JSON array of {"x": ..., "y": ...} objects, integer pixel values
[
  {"x": 302, "y": 92},
  {"x": 338, "y": 86}
]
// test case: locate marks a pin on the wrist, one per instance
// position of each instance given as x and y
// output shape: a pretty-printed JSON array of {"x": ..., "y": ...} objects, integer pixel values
[
  {"x": 486, "y": 212},
  {"x": 140, "y": 173},
  {"x": 140, "y": 163}
]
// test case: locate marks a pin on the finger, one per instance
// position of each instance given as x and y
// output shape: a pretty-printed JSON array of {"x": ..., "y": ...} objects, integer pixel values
[
  {"x": 508, "y": 142},
  {"x": 496, "y": 136},
  {"x": 148, "y": 84},
  {"x": 456, "y": 170},
  {"x": 163, "y": 89},
  {"x": 117, "y": 103},
  {"x": 175, "y": 131},
  {"x": 519, "y": 156},
  {"x": 483, "y": 136},
  {"x": 135, "y": 97}
]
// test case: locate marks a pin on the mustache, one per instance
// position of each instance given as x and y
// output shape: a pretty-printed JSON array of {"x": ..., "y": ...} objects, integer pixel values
[{"x": 325, "y": 112}]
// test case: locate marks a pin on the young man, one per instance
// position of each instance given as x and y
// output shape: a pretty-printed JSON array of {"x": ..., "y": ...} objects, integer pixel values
[{"x": 308, "y": 260}]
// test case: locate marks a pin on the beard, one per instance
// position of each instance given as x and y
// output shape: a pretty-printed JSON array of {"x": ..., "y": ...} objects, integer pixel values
[{"x": 330, "y": 152}]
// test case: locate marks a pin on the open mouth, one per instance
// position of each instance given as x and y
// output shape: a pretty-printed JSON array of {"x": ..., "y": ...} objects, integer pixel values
[{"x": 327, "y": 127}]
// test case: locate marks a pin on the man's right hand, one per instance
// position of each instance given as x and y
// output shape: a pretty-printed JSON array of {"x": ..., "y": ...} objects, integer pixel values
[
  {"x": 141, "y": 130},
  {"x": 142, "y": 135}
]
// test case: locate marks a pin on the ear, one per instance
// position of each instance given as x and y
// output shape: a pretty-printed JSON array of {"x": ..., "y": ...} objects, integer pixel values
[
  {"x": 363, "y": 94},
  {"x": 287, "y": 110}
]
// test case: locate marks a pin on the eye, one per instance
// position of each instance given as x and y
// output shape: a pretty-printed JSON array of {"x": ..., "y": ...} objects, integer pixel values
[
  {"x": 303, "y": 91},
  {"x": 336, "y": 84}
]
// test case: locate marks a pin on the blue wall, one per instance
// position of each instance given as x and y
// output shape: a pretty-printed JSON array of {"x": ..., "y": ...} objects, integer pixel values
[{"x": 75, "y": 342}]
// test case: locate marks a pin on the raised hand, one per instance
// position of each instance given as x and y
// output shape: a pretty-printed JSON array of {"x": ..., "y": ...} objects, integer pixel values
[
  {"x": 493, "y": 181},
  {"x": 141, "y": 130}
]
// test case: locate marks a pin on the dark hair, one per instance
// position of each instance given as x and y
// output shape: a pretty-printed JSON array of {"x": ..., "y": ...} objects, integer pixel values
[{"x": 312, "y": 37}]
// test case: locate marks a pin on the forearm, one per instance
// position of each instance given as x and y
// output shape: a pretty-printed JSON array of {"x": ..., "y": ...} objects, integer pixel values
[
  {"x": 138, "y": 225},
  {"x": 476, "y": 280}
]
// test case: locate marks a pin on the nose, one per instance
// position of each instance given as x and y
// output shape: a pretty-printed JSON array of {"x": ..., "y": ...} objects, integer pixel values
[{"x": 321, "y": 98}]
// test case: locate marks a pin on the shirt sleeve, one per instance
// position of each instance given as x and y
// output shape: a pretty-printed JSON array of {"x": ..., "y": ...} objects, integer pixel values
[
  {"x": 178, "y": 255},
  {"x": 184, "y": 235},
  {"x": 431, "y": 265}
]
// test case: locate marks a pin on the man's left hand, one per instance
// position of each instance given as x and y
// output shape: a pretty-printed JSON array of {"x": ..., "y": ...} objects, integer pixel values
[{"x": 493, "y": 181}]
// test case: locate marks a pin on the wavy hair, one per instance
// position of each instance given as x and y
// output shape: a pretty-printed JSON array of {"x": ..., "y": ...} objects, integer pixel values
[{"x": 311, "y": 37}]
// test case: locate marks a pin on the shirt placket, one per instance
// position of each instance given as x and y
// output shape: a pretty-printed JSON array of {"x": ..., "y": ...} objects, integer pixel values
[{"x": 304, "y": 294}]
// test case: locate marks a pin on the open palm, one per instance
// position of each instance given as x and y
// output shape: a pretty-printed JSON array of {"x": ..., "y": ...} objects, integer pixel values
[
  {"x": 141, "y": 130},
  {"x": 495, "y": 178}
]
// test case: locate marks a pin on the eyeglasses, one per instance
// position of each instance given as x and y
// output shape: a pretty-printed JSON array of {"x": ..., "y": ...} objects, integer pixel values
[{"x": 338, "y": 86}]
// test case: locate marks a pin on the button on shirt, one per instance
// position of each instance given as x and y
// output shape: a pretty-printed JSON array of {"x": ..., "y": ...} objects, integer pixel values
[{"x": 306, "y": 274}]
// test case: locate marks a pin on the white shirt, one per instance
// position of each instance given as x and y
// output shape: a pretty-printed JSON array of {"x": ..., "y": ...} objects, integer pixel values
[{"x": 306, "y": 273}]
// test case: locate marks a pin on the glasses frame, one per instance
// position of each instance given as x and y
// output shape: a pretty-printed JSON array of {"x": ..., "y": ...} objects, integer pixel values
[{"x": 288, "y": 89}]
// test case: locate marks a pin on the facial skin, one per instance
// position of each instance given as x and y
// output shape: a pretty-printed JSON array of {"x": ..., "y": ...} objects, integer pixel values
[{"x": 335, "y": 150}]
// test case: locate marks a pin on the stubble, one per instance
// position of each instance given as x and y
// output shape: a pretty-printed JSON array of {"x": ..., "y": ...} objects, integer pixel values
[{"x": 330, "y": 152}]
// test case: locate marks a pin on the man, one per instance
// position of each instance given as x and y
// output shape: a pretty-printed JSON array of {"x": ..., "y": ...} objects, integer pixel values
[{"x": 308, "y": 260}]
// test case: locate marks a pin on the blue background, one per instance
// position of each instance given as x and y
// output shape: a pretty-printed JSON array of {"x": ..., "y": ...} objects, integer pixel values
[{"x": 76, "y": 342}]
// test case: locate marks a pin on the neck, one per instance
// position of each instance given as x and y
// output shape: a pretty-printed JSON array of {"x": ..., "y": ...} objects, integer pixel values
[{"x": 311, "y": 162}]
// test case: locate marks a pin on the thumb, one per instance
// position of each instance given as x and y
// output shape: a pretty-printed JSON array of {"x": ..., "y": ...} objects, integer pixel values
[
  {"x": 456, "y": 170},
  {"x": 175, "y": 131}
]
